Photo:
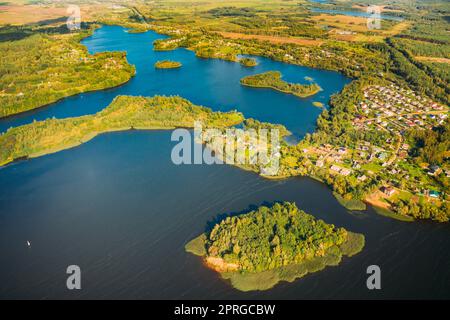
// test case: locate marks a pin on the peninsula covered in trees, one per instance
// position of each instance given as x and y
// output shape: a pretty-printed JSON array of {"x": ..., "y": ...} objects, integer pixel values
[
  {"x": 258, "y": 249},
  {"x": 124, "y": 113},
  {"x": 272, "y": 79},
  {"x": 42, "y": 68}
]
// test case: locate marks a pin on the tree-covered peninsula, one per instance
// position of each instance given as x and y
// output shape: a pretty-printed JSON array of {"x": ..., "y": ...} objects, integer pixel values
[
  {"x": 167, "y": 64},
  {"x": 124, "y": 113},
  {"x": 272, "y": 79},
  {"x": 258, "y": 249},
  {"x": 42, "y": 68}
]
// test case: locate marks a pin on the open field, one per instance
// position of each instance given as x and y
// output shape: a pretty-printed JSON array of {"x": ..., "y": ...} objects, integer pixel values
[
  {"x": 16, "y": 14},
  {"x": 349, "y": 28},
  {"x": 432, "y": 59},
  {"x": 272, "y": 39}
]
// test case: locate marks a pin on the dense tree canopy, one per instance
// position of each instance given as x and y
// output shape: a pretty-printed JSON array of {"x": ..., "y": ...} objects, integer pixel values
[
  {"x": 272, "y": 79},
  {"x": 273, "y": 237}
]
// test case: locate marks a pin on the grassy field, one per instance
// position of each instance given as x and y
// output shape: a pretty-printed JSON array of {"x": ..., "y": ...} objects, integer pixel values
[
  {"x": 432, "y": 59},
  {"x": 272, "y": 39},
  {"x": 22, "y": 12}
]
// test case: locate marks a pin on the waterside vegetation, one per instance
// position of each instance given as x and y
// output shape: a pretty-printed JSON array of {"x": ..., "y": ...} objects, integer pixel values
[
  {"x": 248, "y": 62},
  {"x": 272, "y": 80},
  {"x": 124, "y": 113},
  {"x": 258, "y": 249},
  {"x": 167, "y": 64},
  {"x": 43, "y": 68}
]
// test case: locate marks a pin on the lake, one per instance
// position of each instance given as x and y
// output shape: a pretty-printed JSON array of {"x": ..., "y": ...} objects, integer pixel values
[
  {"x": 121, "y": 210},
  {"x": 210, "y": 82}
]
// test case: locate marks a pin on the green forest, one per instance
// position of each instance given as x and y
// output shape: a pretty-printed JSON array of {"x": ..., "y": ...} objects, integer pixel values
[
  {"x": 272, "y": 244},
  {"x": 248, "y": 62},
  {"x": 272, "y": 237},
  {"x": 167, "y": 64},
  {"x": 272, "y": 79},
  {"x": 42, "y": 68},
  {"x": 124, "y": 113}
]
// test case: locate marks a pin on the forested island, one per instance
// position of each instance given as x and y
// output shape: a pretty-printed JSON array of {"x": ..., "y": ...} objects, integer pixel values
[
  {"x": 167, "y": 64},
  {"x": 248, "y": 62},
  {"x": 124, "y": 113},
  {"x": 272, "y": 79},
  {"x": 258, "y": 249}
]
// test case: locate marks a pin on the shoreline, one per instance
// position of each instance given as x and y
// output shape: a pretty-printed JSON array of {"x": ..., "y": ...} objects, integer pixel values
[
  {"x": 62, "y": 98},
  {"x": 159, "y": 32},
  {"x": 267, "y": 279},
  {"x": 84, "y": 48},
  {"x": 115, "y": 117}
]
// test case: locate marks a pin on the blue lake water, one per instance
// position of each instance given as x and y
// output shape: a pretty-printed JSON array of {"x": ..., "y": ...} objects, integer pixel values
[
  {"x": 121, "y": 210},
  {"x": 209, "y": 82}
]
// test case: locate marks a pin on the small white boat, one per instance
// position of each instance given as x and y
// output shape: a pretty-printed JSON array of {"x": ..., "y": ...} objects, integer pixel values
[{"x": 28, "y": 243}]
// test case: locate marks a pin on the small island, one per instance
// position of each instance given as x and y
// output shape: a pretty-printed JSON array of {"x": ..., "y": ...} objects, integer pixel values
[
  {"x": 272, "y": 79},
  {"x": 248, "y": 62},
  {"x": 318, "y": 104},
  {"x": 167, "y": 64},
  {"x": 258, "y": 249}
]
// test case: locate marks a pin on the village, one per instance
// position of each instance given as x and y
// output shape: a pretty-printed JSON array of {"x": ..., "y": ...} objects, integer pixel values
[
  {"x": 394, "y": 110},
  {"x": 397, "y": 109}
]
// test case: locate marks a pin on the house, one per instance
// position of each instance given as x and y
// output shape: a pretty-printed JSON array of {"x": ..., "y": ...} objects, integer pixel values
[
  {"x": 434, "y": 194},
  {"x": 434, "y": 170},
  {"x": 335, "y": 168},
  {"x": 319, "y": 163},
  {"x": 362, "y": 178},
  {"x": 345, "y": 171},
  {"x": 382, "y": 155},
  {"x": 389, "y": 191}
]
